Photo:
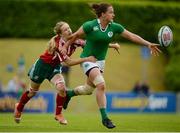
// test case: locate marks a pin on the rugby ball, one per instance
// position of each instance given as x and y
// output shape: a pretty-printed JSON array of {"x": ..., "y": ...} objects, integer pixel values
[{"x": 165, "y": 36}]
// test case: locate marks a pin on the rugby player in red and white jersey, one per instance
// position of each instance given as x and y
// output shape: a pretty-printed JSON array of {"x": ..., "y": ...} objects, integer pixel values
[{"x": 48, "y": 66}]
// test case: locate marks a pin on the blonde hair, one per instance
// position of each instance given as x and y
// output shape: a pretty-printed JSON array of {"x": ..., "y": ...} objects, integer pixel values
[{"x": 57, "y": 30}]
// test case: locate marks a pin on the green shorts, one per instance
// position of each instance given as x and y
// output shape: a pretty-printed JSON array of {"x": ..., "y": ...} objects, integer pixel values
[{"x": 41, "y": 70}]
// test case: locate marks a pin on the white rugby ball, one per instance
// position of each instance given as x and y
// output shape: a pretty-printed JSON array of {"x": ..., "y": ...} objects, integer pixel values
[{"x": 165, "y": 36}]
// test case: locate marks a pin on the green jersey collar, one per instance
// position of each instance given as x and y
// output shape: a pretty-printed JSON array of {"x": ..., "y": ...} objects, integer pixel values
[{"x": 98, "y": 20}]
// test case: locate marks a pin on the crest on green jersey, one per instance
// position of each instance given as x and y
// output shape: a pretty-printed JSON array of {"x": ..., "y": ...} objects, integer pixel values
[{"x": 110, "y": 34}]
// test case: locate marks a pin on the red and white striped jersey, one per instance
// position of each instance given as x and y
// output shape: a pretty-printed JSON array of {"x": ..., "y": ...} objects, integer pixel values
[{"x": 57, "y": 58}]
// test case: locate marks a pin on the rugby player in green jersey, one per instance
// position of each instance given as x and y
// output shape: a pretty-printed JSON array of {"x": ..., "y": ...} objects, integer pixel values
[{"x": 99, "y": 33}]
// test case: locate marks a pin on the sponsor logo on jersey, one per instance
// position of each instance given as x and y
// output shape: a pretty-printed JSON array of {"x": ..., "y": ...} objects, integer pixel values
[
  {"x": 95, "y": 28},
  {"x": 110, "y": 33}
]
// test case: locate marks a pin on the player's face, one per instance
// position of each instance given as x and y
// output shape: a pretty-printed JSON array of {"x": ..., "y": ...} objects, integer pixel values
[
  {"x": 66, "y": 30},
  {"x": 109, "y": 14}
]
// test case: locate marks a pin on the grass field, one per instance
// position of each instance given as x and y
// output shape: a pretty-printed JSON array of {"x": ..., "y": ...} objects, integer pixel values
[{"x": 90, "y": 122}]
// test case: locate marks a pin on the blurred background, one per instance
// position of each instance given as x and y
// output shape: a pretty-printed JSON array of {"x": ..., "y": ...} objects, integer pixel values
[{"x": 135, "y": 80}]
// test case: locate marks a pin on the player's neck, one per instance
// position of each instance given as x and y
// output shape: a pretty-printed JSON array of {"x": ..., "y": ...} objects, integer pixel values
[
  {"x": 64, "y": 38},
  {"x": 103, "y": 23}
]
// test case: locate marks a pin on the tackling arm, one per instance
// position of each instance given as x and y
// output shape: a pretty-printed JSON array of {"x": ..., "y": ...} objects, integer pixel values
[
  {"x": 72, "y": 62},
  {"x": 72, "y": 39}
]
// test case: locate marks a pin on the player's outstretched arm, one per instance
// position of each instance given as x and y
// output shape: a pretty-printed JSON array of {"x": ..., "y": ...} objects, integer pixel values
[
  {"x": 139, "y": 40},
  {"x": 72, "y": 62}
]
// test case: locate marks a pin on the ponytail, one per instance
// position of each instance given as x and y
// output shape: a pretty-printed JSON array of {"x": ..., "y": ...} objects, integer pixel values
[
  {"x": 51, "y": 47},
  {"x": 100, "y": 8}
]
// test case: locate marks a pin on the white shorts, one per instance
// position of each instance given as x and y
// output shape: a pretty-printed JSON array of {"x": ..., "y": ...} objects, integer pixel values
[{"x": 88, "y": 65}]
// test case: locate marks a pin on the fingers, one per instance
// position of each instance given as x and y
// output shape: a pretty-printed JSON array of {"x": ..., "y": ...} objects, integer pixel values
[
  {"x": 155, "y": 51},
  {"x": 117, "y": 50},
  {"x": 63, "y": 51},
  {"x": 157, "y": 45},
  {"x": 158, "y": 49},
  {"x": 93, "y": 59}
]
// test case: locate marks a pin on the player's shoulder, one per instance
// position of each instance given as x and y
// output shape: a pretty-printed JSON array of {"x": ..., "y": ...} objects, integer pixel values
[
  {"x": 91, "y": 22},
  {"x": 115, "y": 24},
  {"x": 117, "y": 27}
]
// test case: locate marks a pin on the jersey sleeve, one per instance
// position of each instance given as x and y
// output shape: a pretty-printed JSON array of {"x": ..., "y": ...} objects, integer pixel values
[
  {"x": 87, "y": 27},
  {"x": 118, "y": 28}
]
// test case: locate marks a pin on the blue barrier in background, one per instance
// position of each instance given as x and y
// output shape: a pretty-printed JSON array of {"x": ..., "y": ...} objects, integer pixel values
[
  {"x": 116, "y": 102},
  {"x": 130, "y": 102},
  {"x": 42, "y": 102}
]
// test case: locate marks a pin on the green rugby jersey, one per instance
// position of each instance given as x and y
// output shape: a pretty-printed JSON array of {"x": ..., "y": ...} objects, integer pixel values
[{"x": 97, "y": 40}]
